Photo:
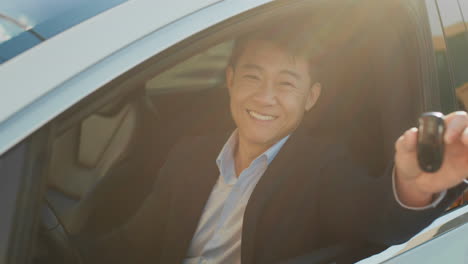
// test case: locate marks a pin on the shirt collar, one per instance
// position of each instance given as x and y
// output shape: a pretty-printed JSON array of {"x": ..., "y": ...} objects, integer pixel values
[
  {"x": 273, "y": 150},
  {"x": 225, "y": 159}
]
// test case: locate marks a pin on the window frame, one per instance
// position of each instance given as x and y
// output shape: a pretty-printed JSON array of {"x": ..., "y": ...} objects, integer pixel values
[{"x": 23, "y": 170}]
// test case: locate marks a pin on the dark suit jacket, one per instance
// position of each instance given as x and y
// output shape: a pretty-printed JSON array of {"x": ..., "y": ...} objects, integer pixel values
[{"x": 311, "y": 196}]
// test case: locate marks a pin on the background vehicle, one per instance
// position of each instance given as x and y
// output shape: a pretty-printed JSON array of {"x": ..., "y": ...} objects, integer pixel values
[{"x": 83, "y": 107}]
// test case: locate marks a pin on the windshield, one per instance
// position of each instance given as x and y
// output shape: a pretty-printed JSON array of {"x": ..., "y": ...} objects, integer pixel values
[{"x": 26, "y": 23}]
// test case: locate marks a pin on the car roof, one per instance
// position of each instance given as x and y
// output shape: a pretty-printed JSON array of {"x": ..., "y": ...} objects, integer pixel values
[{"x": 29, "y": 79}]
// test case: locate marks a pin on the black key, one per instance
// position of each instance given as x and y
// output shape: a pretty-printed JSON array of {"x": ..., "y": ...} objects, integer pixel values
[{"x": 431, "y": 141}]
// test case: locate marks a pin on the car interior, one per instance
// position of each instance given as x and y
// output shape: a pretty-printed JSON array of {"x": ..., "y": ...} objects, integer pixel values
[{"x": 372, "y": 92}]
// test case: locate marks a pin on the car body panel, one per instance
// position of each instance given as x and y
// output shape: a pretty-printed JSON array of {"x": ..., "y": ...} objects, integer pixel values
[
  {"x": 429, "y": 245},
  {"x": 451, "y": 247}
]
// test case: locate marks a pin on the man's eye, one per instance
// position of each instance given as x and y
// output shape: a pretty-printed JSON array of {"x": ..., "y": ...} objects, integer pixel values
[
  {"x": 251, "y": 77},
  {"x": 287, "y": 84}
]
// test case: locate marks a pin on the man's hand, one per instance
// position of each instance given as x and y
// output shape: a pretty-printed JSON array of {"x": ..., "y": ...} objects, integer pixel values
[{"x": 417, "y": 188}]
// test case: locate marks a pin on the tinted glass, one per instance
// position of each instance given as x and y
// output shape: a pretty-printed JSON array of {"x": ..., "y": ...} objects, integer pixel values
[
  {"x": 462, "y": 89},
  {"x": 457, "y": 45},
  {"x": 26, "y": 23},
  {"x": 441, "y": 57},
  {"x": 464, "y": 9}
]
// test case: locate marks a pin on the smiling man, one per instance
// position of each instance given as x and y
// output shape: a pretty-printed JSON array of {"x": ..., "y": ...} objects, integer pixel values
[{"x": 269, "y": 192}]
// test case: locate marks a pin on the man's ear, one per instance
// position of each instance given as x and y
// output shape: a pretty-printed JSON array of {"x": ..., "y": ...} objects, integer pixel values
[
  {"x": 313, "y": 96},
  {"x": 229, "y": 77}
]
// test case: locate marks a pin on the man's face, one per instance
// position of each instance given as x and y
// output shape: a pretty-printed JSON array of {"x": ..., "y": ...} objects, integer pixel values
[{"x": 270, "y": 90}]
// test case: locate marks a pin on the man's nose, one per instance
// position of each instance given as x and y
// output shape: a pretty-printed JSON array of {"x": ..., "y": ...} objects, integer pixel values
[{"x": 266, "y": 94}]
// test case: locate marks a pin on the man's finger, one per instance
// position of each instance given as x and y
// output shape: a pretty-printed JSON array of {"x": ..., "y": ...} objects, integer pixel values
[
  {"x": 407, "y": 142},
  {"x": 455, "y": 123},
  {"x": 465, "y": 137}
]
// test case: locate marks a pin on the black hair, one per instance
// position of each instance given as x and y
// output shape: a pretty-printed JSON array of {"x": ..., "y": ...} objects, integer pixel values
[{"x": 293, "y": 37}]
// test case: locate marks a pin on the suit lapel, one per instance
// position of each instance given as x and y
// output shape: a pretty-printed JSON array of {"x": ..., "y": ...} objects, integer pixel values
[
  {"x": 289, "y": 157},
  {"x": 191, "y": 191}
]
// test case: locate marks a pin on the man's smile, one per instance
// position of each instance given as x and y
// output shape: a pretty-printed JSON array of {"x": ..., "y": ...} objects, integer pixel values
[{"x": 261, "y": 117}]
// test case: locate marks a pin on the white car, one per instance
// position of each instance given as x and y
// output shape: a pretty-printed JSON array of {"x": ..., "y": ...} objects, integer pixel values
[{"x": 86, "y": 88}]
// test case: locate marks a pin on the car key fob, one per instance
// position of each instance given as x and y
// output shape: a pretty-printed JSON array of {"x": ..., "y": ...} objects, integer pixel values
[{"x": 431, "y": 141}]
